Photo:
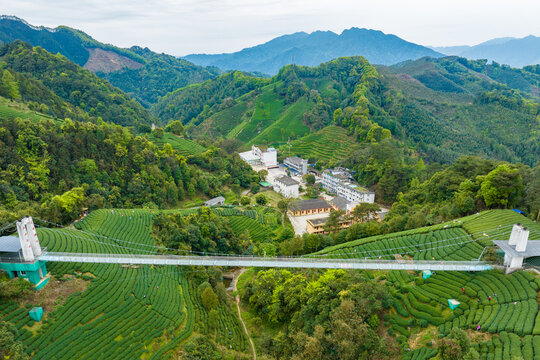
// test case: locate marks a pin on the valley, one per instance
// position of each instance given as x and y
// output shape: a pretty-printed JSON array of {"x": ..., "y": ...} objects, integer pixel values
[{"x": 399, "y": 158}]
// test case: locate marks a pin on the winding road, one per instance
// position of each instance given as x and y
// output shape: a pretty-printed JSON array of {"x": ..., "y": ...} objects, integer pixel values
[{"x": 234, "y": 282}]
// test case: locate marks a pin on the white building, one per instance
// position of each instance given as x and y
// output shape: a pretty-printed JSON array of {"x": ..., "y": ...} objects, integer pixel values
[
  {"x": 261, "y": 155},
  {"x": 286, "y": 186},
  {"x": 296, "y": 164},
  {"x": 340, "y": 182}
]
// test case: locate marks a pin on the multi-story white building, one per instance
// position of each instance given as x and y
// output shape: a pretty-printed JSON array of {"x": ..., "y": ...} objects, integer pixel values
[
  {"x": 261, "y": 155},
  {"x": 296, "y": 164},
  {"x": 286, "y": 186},
  {"x": 340, "y": 182}
]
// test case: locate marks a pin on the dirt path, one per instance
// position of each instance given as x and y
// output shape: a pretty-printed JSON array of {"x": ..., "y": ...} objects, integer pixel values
[{"x": 234, "y": 282}]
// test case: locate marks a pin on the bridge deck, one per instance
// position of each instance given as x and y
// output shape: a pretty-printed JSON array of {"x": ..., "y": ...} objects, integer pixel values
[{"x": 278, "y": 262}]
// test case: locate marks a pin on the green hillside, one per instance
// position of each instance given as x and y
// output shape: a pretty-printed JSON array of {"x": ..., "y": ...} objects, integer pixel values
[
  {"x": 141, "y": 73},
  {"x": 182, "y": 145},
  {"x": 64, "y": 89},
  {"x": 417, "y": 317},
  {"x": 126, "y": 311},
  {"x": 440, "y": 108},
  {"x": 11, "y": 110},
  {"x": 329, "y": 144}
]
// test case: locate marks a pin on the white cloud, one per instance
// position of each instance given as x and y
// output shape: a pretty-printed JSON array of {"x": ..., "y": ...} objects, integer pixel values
[{"x": 188, "y": 26}]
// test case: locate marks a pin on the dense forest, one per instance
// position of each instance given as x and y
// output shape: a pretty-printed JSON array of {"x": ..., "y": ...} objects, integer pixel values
[
  {"x": 57, "y": 169},
  {"x": 69, "y": 90},
  {"x": 142, "y": 73}
]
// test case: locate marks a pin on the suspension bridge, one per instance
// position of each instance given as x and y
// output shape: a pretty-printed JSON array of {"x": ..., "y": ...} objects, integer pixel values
[{"x": 29, "y": 252}]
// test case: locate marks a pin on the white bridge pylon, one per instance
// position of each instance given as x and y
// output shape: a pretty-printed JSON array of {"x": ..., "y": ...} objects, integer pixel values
[{"x": 29, "y": 240}]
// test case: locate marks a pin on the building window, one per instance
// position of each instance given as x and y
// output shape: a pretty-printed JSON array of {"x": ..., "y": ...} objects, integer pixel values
[{"x": 23, "y": 273}]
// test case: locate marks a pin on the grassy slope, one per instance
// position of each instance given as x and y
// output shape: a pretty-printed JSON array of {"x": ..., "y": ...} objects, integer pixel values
[
  {"x": 289, "y": 124},
  {"x": 12, "y": 110},
  {"x": 268, "y": 109},
  {"x": 330, "y": 143},
  {"x": 182, "y": 145}
]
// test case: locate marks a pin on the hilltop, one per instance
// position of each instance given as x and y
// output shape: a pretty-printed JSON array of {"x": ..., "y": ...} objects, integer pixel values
[
  {"x": 315, "y": 48},
  {"x": 142, "y": 73},
  {"x": 443, "y": 107},
  {"x": 511, "y": 51}
]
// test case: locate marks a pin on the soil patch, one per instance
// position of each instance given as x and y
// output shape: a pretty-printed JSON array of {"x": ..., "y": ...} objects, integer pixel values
[{"x": 54, "y": 293}]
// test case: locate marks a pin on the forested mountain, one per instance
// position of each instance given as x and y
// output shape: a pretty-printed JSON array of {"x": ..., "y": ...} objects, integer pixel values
[
  {"x": 56, "y": 168},
  {"x": 443, "y": 108},
  {"x": 56, "y": 86},
  {"x": 315, "y": 48},
  {"x": 511, "y": 51},
  {"x": 142, "y": 73}
]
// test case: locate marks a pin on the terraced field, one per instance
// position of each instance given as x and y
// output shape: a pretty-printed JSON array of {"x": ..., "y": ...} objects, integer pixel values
[
  {"x": 330, "y": 143},
  {"x": 126, "y": 312},
  {"x": 9, "y": 112},
  {"x": 260, "y": 223},
  {"x": 503, "y": 305},
  {"x": 183, "y": 146}
]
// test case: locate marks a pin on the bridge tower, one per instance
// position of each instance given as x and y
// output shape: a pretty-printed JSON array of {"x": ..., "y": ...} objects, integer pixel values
[
  {"x": 516, "y": 248},
  {"x": 18, "y": 254}
]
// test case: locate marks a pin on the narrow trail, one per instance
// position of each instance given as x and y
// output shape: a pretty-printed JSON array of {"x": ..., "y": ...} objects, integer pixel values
[{"x": 234, "y": 282}]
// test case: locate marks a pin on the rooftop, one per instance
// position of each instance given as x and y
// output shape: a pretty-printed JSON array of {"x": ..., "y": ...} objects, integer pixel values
[
  {"x": 9, "y": 244},
  {"x": 295, "y": 160},
  {"x": 288, "y": 181},
  {"x": 215, "y": 200},
  {"x": 248, "y": 156},
  {"x": 533, "y": 248},
  {"x": 310, "y": 204},
  {"x": 318, "y": 222},
  {"x": 340, "y": 202}
]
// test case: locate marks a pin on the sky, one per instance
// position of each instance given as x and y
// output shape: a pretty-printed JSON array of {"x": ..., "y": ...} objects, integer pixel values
[{"x": 181, "y": 27}]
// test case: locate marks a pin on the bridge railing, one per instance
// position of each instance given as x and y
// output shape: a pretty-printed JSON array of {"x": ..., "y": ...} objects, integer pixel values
[{"x": 301, "y": 262}]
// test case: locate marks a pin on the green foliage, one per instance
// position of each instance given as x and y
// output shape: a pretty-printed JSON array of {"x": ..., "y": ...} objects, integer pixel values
[
  {"x": 202, "y": 230},
  {"x": 10, "y": 348},
  {"x": 334, "y": 312},
  {"x": 200, "y": 348},
  {"x": 209, "y": 298},
  {"x": 64, "y": 81},
  {"x": 501, "y": 187},
  {"x": 175, "y": 127},
  {"x": 44, "y": 162},
  {"x": 261, "y": 199},
  {"x": 14, "y": 288}
]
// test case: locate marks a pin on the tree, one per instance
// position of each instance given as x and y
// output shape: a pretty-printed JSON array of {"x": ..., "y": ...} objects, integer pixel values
[
  {"x": 245, "y": 201},
  {"x": 365, "y": 211},
  {"x": 158, "y": 133},
  {"x": 455, "y": 346},
  {"x": 209, "y": 298},
  {"x": 502, "y": 187},
  {"x": 263, "y": 174},
  {"x": 14, "y": 288},
  {"x": 9, "y": 347},
  {"x": 175, "y": 127},
  {"x": 254, "y": 188},
  {"x": 283, "y": 205},
  {"x": 261, "y": 199},
  {"x": 333, "y": 222},
  {"x": 309, "y": 178}
]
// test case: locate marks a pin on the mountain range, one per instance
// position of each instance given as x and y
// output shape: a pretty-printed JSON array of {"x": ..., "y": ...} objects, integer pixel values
[
  {"x": 507, "y": 50},
  {"x": 315, "y": 48},
  {"x": 141, "y": 73}
]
